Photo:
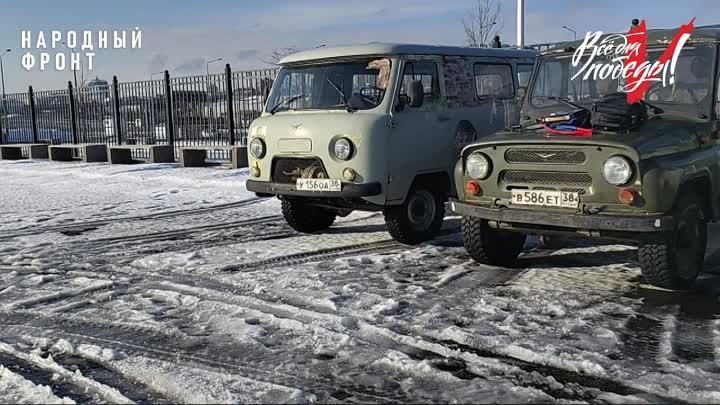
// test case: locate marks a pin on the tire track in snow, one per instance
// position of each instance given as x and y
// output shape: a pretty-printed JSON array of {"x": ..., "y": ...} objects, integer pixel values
[
  {"x": 107, "y": 376},
  {"x": 169, "y": 348},
  {"x": 72, "y": 382},
  {"x": 444, "y": 359},
  {"x": 81, "y": 226},
  {"x": 379, "y": 246},
  {"x": 37, "y": 376},
  {"x": 692, "y": 340},
  {"x": 60, "y": 295},
  {"x": 672, "y": 326},
  {"x": 384, "y": 245},
  {"x": 164, "y": 235}
]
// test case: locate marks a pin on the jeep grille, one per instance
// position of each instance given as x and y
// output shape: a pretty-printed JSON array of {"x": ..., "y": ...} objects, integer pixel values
[
  {"x": 553, "y": 179},
  {"x": 288, "y": 170},
  {"x": 567, "y": 157}
]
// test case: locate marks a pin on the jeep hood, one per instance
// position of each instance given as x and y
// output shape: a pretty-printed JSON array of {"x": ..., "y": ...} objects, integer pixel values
[{"x": 660, "y": 135}]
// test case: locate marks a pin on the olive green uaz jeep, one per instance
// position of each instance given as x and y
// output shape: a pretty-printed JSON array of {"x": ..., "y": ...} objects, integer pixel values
[{"x": 655, "y": 181}]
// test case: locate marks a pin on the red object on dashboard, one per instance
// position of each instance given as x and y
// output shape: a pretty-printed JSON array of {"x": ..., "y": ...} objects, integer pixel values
[{"x": 569, "y": 131}]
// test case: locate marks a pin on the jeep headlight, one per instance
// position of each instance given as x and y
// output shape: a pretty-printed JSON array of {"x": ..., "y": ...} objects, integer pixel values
[
  {"x": 477, "y": 166},
  {"x": 343, "y": 148},
  {"x": 257, "y": 148},
  {"x": 617, "y": 170}
]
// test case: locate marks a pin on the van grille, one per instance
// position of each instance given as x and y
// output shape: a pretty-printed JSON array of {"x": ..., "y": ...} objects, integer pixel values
[
  {"x": 566, "y": 157},
  {"x": 288, "y": 170},
  {"x": 569, "y": 179}
]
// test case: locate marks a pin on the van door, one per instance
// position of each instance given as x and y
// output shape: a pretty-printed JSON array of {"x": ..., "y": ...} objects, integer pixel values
[
  {"x": 495, "y": 87},
  {"x": 421, "y": 141}
]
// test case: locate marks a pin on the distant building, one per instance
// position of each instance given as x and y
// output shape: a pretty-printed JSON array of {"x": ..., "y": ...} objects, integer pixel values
[
  {"x": 98, "y": 84},
  {"x": 97, "y": 89}
]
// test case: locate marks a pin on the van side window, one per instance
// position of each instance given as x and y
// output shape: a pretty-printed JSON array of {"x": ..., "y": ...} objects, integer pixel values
[
  {"x": 523, "y": 74},
  {"x": 426, "y": 72},
  {"x": 494, "y": 81}
]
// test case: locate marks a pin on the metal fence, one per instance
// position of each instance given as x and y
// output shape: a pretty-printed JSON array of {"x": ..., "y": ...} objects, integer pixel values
[
  {"x": 16, "y": 118},
  {"x": 204, "y": 110}
]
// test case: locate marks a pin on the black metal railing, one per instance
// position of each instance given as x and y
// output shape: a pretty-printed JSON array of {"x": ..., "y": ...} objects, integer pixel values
[{"x": 205, "y": 110}]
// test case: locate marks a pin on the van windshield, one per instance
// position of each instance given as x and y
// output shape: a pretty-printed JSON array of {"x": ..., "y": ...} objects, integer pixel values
[
  {"x": 690, "y": 90},
  {"x": 360, "y": 83}
]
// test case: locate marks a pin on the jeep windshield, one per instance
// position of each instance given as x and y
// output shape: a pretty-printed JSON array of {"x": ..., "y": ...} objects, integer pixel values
[
  {"x": 691, "y": 91},
  {"x": 351, "y": 85}
]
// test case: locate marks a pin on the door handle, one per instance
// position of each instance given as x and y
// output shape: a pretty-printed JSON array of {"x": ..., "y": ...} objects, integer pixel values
[{"x": 443, "y": 118}]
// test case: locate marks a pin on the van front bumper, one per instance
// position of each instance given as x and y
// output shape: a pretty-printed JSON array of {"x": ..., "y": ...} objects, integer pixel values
[
  {"x": 349, "y": 190},
  {"x": 569, "y": 222}
]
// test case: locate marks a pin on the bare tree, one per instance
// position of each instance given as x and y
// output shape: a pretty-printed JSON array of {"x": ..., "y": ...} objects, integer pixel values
[
  {"x": 277, "y": 54},
  {"x": 482, "y": 22}
]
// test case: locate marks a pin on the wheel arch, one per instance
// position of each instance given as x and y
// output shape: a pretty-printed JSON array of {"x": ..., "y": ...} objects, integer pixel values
[
  {"x": 701, "y": 184},
  {"x": 437, "y": 181}
]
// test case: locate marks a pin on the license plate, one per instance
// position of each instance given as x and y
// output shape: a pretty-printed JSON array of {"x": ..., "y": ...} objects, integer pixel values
[
  {"x": 563, "y": 199},
  {"x": 318, "y": 185}
]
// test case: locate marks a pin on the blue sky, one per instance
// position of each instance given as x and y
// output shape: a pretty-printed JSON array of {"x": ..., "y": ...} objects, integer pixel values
[{"x": 180, "y": 35}]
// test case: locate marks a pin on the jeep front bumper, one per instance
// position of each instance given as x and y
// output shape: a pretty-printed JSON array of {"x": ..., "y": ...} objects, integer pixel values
[
  {"x": 349, "y": 190},
  {"x": 610, "y": 225}
]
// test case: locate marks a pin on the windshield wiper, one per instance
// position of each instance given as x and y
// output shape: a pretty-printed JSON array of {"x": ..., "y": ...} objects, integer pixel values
[
  {"x": 562, "y": 100},
  {"x": 341, "y": 93},
  {"x": 286, "y": 101}
]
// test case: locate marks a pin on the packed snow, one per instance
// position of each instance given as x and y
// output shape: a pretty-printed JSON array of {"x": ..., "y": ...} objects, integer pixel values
[{"x": 158, "y": 284}]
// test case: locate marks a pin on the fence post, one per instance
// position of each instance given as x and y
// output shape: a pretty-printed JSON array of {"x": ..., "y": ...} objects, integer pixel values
[
  {"x": 33, "y": 118},
  {"x": 73, "y": 114},
  {"x": 2, "y": 113},
  {"x": 230, "y": 109},
  {"x": 169, "y": 126},
  {"x": 116, "y": 110}
]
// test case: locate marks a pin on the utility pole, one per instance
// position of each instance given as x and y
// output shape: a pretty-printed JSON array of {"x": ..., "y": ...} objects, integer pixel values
[{"x": 521, "y": 23}]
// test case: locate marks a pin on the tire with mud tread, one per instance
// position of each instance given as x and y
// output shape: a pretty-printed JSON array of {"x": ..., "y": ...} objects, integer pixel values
[
  {"x": 677, "y": 261},
  {"x": 419, "y": 218},
  {"x": 306, "y": 218},
  {"x": 488, "y": 245}
]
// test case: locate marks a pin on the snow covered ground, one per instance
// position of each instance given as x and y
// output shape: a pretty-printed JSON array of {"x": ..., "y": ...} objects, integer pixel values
[{"x": 155, "y": 284}]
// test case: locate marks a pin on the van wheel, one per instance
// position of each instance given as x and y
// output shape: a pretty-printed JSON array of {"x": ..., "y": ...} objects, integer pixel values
[
  {"x": 419, "y": 218},
  {"x": 488, "y": 245},
  {"x": 676, "y": 262},
  {"x": 306, "y": 218}
]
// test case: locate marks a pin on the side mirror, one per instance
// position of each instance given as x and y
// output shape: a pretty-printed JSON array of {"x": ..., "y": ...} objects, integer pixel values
[{"x": 416, "y": 93}]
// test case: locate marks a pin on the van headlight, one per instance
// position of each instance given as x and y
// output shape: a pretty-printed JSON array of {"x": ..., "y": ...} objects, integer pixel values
[
  {"x": 257, "y": 148},
  {"x": 477, "y": 166},
  {"x": 617, "y": 170},
  {"x": 343, "y": 148}
]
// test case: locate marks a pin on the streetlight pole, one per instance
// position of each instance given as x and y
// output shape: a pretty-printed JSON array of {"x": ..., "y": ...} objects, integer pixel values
[
  {"x": 207, "y": 94},
  {"x": 4, "y": 109},
  {"x": 2, "y": 77},
  {"x": 521, "y": 23},
  {"x": 571, "y": 30},
  {"x": 74, "y": 71}
]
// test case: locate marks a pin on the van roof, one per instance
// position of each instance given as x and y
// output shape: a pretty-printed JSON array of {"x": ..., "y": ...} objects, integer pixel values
[{"x": 382, "y": 48}]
